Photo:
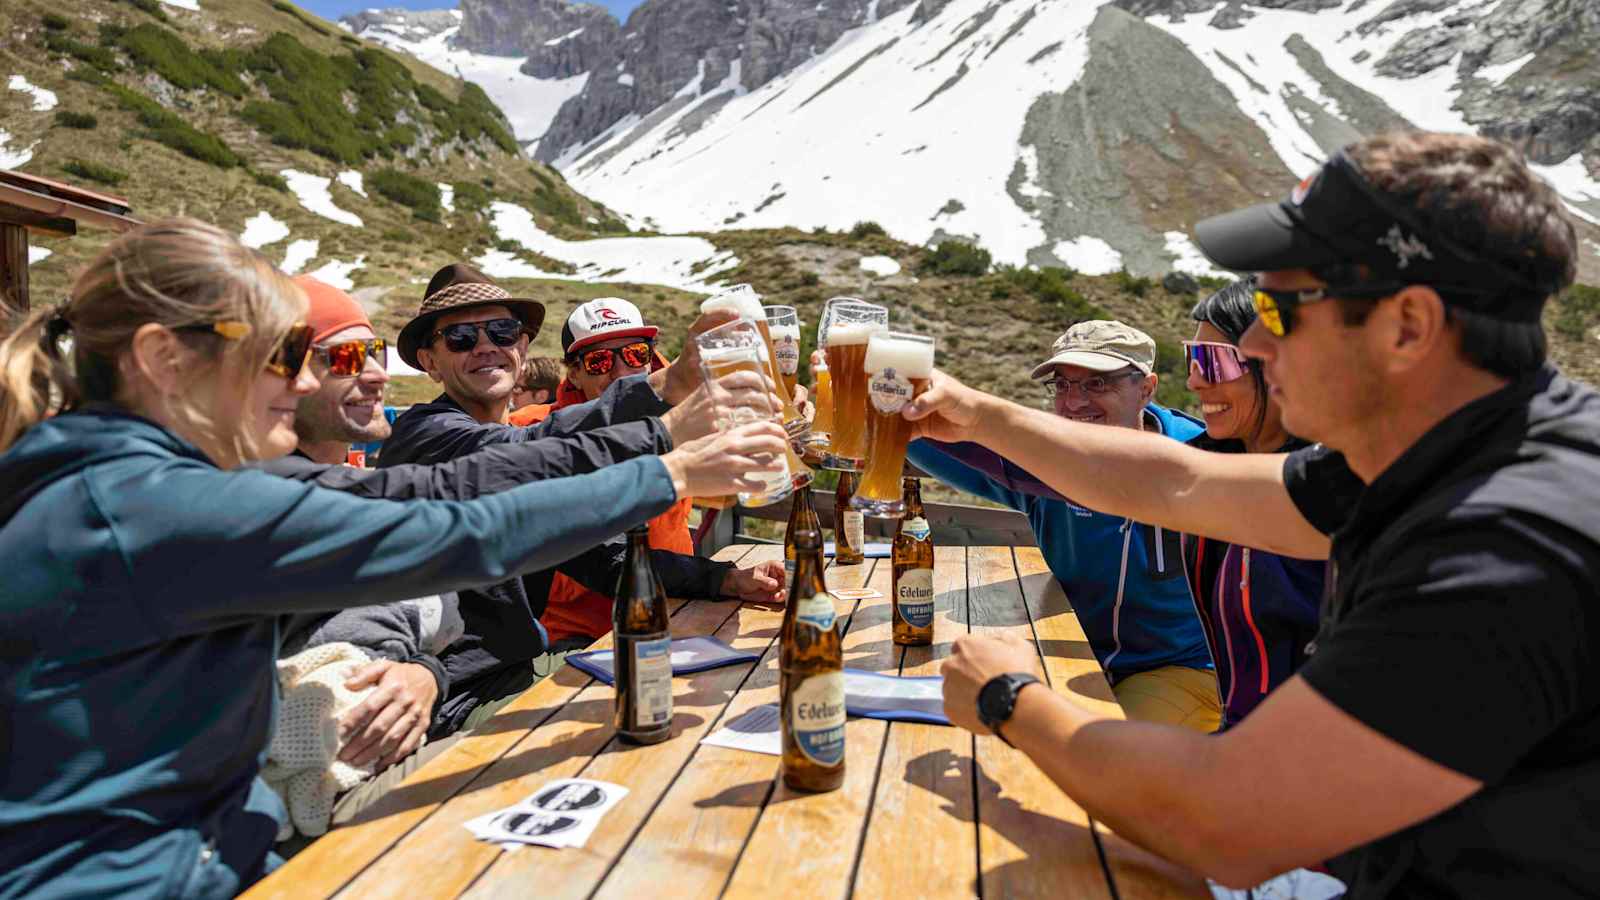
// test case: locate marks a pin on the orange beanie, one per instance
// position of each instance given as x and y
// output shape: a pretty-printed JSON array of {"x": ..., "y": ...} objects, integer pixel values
[{"x": 332, "y": 310}]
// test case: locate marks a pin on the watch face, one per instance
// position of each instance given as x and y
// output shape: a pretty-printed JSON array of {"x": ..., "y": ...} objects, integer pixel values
[{"x": 997, "y": 699}]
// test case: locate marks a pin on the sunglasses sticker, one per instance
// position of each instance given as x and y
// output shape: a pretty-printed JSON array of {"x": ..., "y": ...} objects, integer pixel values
[{"x": 563, "y": 813}]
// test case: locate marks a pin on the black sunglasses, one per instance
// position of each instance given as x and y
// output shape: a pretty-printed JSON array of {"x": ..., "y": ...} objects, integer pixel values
[{"x": 463, "y": 336}]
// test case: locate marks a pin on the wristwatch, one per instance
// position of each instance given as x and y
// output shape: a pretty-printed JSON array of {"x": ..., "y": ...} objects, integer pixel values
[{"x": 998, "y": 699}]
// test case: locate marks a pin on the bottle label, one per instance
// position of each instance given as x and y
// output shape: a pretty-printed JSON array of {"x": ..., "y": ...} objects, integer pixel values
[
  {"x": 914, "y": 596},
  {"x": 818, "y": 718},
  {"x": 816, "y": 611},
  {"x": 652, "y": 683},
  {"x": 917, "y": 529},
  {"x": 889, "y": 392},
  {"x": 855, "y": 529},
  {"x": 788, "y": 352},
  {"x": 788, "y": 572}
]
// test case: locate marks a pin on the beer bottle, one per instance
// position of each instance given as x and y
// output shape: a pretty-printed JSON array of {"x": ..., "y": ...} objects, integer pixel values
[
  {"x": 913, "y": 572},
  {"x": 811, "y": 663},
  {"x": 802, "y": 516},
  {"x": 643, "y": 647},
  {"x": 850, "y": 533}
]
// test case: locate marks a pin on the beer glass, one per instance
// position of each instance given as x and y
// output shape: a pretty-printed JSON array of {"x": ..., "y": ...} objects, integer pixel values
[
  {"x": 783, "y": 323},
  {"x": 742, "y": 299},
  {"x": 898, "y": 368},
  {"x": 847, "y": 323},
  {"x": 820, "y": 440},
  {"x": 739, "y": 347}
]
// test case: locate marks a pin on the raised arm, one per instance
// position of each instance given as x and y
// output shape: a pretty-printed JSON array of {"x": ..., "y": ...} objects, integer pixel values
[{"x": 1240, "y": 498}]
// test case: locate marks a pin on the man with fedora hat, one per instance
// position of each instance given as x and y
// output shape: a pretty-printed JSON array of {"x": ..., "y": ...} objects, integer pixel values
[{"x": 471, "y": 335}]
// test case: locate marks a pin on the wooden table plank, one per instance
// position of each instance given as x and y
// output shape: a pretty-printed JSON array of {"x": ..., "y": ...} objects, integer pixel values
[
  {"x": 1033, "y": 840},
  {"x": 920, "y": 840},
  {"x": 806, "y": 844}
]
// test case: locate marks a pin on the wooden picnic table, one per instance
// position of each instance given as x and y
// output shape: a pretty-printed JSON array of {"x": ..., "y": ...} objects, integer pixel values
[{"x": 925, "y": 810}]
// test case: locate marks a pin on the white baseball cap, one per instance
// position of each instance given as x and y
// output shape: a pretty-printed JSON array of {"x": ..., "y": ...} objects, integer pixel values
[{"x": 602, "y": 319}]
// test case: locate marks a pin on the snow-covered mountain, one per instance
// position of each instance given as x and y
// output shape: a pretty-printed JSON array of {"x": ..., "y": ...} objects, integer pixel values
[{"x": 1051, "y": 131}]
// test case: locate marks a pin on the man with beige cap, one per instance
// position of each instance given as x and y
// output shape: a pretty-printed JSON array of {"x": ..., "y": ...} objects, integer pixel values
[{"x": 1125, "y": 579}]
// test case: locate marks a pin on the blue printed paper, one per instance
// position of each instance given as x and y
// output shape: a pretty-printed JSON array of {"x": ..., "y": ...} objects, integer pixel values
[
  {"x": 692, "y": 654},
  {"x": 874, "y": 695}
]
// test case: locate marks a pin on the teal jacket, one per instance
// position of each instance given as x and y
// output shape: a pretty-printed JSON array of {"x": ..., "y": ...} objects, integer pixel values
[{"x": 139, "y": 627}]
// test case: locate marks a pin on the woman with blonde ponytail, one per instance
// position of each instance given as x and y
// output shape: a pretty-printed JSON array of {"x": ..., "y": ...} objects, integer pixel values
[{"x": 145, "y": 572}]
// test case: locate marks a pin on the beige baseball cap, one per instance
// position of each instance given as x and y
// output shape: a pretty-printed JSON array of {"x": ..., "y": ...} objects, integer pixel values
[{"x": 1101, "y": 346}]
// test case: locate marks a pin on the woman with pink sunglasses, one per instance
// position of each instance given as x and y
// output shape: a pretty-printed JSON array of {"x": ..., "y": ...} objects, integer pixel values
[{"x": 1259, "y": 609}]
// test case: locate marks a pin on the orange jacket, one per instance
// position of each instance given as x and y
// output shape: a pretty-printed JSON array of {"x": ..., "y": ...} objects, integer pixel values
[{"x": 574, "y": 609}]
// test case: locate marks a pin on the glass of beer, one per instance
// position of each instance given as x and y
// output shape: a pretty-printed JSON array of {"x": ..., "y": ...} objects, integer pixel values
[
  {"x": 783, "y": 323},
  {"x": 820, "y": 441},
  {"x": 739, "y": 347},
  {"x": 847, "y": 323},
  {"x": 898, "y": 367},
  {"x": 742, "y": 299}
]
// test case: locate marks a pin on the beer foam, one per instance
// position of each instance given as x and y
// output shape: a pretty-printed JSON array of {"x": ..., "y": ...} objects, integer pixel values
[
  {"x": 726, "y": 356},
  {"x": 779, "y": 332},
  {"x": 741, "y": 300},
  {"x": 844, "y": 334},
  {"x": 909, "y": 359}
]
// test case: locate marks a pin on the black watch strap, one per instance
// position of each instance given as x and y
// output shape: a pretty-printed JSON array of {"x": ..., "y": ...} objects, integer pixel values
[{"x": 997, "y": 700}]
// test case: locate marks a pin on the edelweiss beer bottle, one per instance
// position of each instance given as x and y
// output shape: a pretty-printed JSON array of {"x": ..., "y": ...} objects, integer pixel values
[
  {"x": 913, "y": 572},
  {"x": 850, "y": 531},
  {"x": 802, "y": 516},
  {"x": 643, "y": 642},
  {"x": 811, "y": 661}
]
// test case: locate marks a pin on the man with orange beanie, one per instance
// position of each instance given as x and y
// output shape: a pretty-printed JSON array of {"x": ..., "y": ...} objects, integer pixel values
[{"x": 604, "y": 340}]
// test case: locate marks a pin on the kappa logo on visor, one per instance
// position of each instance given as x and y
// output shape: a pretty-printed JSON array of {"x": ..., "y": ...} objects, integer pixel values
[{"x": 1404, "y": 248}]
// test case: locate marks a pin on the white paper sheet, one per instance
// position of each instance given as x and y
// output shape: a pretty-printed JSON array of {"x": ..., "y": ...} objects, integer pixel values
[{"x": 757, "y": 730}]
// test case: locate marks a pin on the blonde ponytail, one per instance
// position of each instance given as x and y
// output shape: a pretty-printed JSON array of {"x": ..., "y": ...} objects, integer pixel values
[{"x": 34, "y": 380}]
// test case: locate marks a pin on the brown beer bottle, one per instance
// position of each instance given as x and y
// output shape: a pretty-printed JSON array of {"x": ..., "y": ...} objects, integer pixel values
[
  {"x": 913, "y": 572},
  {"x": 802, "y": 516},
  {"x": 850, "y": 533},
  {"x": 643, "y": 642},
  {"x": 811, "y": 660}
]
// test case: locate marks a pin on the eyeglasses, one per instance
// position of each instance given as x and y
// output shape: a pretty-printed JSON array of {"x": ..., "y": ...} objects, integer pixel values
[
  {"x": 350, "y": 357},
  {"x": 635, "y": 356},
  {"x": 287, "y": 359},
  {"x": 1276, "y": 308},
  {"x": 1094, "y": 384},
  {"x": 463, "y": 336},
  {"x": 1214, "y": 362}
]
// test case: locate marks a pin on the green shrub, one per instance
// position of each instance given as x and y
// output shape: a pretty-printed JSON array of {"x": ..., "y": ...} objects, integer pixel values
[
  {"x": 156, "y": 48},
  {"x": 94, "y": 172},
  {"x": 470, "y": 197},
  {"x": 954, "y": 257},
  {"x": 1131, "y": 284},
  {"x": 98, "y": 57},
  {"x": 810, "y": 279},
  {"x": 408, "y": 190},
  {"x": 398, "y": 235},
  {"x": 152, "y": 7},
  {"x": 166, "y": 128},
  {"x": 293, "y": 10},
  {"x": 55, "y": 22},
  {"x": 559, "y": 206},
  {"x": 1172, "y": 390},
  {"x": 66, "y": 118},
  {"x": 1578, "y": 311},
  {"x": 866, "y": 229},
  {"x": 270, "y": 179},
  {"x": 1051, "y": 285}
]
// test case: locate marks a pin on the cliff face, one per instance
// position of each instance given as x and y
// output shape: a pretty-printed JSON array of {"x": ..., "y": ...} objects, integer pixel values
[{"x": 560, "y": 39}]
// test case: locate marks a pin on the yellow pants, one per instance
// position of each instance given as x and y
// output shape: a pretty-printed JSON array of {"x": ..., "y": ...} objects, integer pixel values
[{"x": 1175, "y": 695}]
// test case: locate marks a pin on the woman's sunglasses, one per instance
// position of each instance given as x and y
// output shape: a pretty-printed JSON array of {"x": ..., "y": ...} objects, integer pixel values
[
  {"x": 350, "y": 357},
  {"x": 463, "y": 336},
  {"x": 287, "y": 359},
  {"x": 1214, "y": 362},
  {"x": 634, "y": 356}
]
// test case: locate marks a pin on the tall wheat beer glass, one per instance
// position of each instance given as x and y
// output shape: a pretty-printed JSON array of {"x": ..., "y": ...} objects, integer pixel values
[
  {"x": 742, "y": 299},
  {"x": 897, "y": 367},
  {"x": 738, "y": 347},
  {"x": 821, "y": 439},
  {"x": 784, "y": 325},
  {"x": 847, "y": 324}
]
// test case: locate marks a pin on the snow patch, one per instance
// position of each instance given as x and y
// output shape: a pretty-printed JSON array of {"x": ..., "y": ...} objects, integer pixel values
[
  {"x": 682, "y": 262},
  {"x": 1030, "y": 173},
  {"x": 262, "y": 229},
  {"x": 14, "y": 157},
  {"x": 337, "y": 273},
  {"x": 1188, "y": 257},
  {"x": 299, "y": 253},
  {"x": 447, "y": 197},
  {"x": 625, "y": 79},
  {"x": 354, "y": 181},
  {"x": 312, "y": 192},
  {"x": 1498, "y": 74},
  {"x": 43, "y": 100},
  {"x": 38, "y": 254},
  {"x": 881, "y": 266},
  {"x": 190, "y": 5},
  {"x": 1572, "y": 181},
  {"x": 554, "y": 42},
  {"x": 397, "y": 366},
  {"x": 1089, "y": 255}
]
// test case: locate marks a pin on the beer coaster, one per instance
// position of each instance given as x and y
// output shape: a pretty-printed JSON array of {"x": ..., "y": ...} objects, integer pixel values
[
  {"x": 689, "y": 655},
  {"x": 856, "y": 593},
  {"x": 757, "y": 731}
]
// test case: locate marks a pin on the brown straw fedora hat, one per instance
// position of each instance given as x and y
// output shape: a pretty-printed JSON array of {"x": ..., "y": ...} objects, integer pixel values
[{"x": 458, "y": 286}]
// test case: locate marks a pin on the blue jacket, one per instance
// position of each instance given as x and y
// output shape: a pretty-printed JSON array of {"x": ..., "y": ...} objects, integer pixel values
[
  {"x": 139, "y": 625},
  {"x": 1125, "y": 580}
]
